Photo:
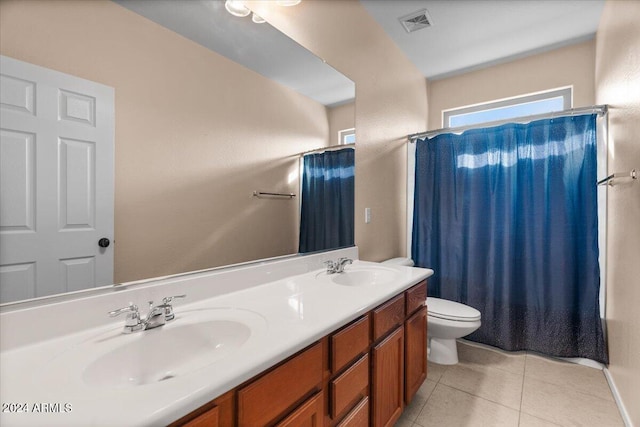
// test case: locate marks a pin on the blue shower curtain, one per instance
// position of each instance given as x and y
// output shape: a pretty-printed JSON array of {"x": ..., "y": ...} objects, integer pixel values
[
  {"x": 507, "y": 218},
  {"x": 326, "y": 218}
]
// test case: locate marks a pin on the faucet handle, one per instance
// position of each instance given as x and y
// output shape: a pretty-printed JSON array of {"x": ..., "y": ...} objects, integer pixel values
[
  {"x": 131, "y": 308},
  {"x": 133, "y": 322},
  {"x": 331, "y": 266},
  {"x": 167, "y": 300},
  {"x": 168, "y": 308}
]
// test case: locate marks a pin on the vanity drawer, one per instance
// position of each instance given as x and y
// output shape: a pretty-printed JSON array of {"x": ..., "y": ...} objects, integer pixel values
[
  {"x": 388, "y": 316},
  {"x": 416, "y": 297},
  {"x": 350, "y": 386},
  {"x": 349, "y": 342},
  {"x": 268, "y": 397},
  {"x": 358, "y": 417}
]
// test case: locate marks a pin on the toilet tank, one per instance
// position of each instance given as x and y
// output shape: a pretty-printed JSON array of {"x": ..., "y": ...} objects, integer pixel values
[{"x": 399, "y": 261}]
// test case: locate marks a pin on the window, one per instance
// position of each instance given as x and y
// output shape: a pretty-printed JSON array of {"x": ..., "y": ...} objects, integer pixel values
[
  {"x": 347, "y": 136},
  {"x": 526, "y": 105}
]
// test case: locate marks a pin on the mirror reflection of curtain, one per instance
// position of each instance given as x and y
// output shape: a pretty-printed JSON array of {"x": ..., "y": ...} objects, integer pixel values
[
  {"x": 326, "y": 218},
  {"x": 507, "y": 217}
]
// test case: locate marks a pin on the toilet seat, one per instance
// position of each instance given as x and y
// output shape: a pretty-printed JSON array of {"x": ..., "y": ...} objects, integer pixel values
[{"x": 451, "y": 310}]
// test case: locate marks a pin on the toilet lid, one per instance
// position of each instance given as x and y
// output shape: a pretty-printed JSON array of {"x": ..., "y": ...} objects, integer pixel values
[{"x": 451, "y": 310}]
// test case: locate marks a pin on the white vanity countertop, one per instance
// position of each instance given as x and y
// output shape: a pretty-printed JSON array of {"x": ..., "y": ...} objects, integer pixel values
[{"x": 288, "y": 315}]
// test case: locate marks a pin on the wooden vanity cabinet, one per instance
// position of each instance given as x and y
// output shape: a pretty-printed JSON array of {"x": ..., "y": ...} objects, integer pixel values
[{"x": 361, "y": 375}]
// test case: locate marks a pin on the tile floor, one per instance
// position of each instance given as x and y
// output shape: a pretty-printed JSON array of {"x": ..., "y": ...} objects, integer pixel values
[{"x": 490, "y": 387}]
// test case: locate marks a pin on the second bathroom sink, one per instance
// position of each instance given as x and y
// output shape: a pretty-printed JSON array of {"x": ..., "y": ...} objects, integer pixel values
[
  {"x": 361, "y": 274},
  {"x": 364, "y": 276}
]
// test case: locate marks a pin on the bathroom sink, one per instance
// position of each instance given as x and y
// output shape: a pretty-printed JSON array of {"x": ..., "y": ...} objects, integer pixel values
[
  {"x": 363, "y": 276},
  {"x": 193, "y": 340}
]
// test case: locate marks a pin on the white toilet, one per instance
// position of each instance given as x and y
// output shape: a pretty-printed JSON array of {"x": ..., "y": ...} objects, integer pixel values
[{"x": 446, "y": 321}]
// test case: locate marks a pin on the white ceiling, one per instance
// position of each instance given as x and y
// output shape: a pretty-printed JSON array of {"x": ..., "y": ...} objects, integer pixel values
[
  {"x": 259, "y": 47},
  {"x": 466, "y": 34},
  {"x": 469, "y": 34}
]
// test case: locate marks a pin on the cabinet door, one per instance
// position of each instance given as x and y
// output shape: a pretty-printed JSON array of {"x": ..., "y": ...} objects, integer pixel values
[
  {"x": 388, "y": 379},
  {"x": 415, "y": 353},
  {"x": 309, "y": 414}
]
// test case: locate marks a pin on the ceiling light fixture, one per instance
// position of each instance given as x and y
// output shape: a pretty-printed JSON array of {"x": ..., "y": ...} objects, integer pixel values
[
  {"x": 287, "y": 2},
  {"x": 236, "y": 8}
]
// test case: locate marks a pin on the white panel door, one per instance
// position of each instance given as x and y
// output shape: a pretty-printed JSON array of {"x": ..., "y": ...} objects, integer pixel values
[{"x": 56, "y": 182}]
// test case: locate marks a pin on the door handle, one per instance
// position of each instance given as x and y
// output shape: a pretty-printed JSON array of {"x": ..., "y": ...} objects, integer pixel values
[{"x": 104, "y": 242}]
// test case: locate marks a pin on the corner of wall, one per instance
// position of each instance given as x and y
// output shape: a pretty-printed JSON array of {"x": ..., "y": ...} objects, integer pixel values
[{"x": 617, "y": 72}]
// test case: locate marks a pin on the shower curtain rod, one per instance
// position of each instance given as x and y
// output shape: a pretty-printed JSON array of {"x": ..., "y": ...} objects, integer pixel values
[
  {"x": 329, "y": 148},
  {"x": 599, "y": 109}
]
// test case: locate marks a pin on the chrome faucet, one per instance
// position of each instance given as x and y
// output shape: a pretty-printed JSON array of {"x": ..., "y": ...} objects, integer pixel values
[
  {"x": 337, "y": 266},
  {"x": 157, "y": 315},
  {"x": 341, "y": 263}
]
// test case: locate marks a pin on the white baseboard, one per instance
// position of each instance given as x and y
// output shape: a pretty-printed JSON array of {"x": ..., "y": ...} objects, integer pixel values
[
  {"x": 582, "y": 361},
  {"x": 614, "y": 390}
]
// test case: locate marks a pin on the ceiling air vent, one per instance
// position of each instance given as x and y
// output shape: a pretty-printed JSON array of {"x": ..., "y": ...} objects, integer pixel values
[{"x": 416, "y": 20}]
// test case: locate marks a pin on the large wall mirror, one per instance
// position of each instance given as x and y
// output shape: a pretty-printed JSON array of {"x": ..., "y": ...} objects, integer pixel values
[{"x": 197, "y": 129}]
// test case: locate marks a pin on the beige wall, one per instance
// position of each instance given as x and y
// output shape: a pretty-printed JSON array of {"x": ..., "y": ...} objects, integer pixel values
[
  {"x": 195, "y": 135},
  {"x": 617, "y": 80},
  {"x": 340, "y": 118},
  {"x": 391, "y": 103},
  {"x": 571, "y": 65}
]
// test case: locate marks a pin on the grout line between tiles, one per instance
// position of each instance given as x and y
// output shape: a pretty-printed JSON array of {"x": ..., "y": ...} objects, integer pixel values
[
  {"x": 415, "y": 421},
  {"x": 524, "y": 377},
  {"x": 479, "y": 397},
  {"x": 570, "y": 387}
]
